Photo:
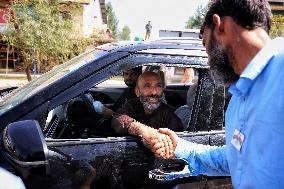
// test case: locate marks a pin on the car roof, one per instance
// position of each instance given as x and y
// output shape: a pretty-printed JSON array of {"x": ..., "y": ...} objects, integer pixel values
[{"x": 170, "y": 46}]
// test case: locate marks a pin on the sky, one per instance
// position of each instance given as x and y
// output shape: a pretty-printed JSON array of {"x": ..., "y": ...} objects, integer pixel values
[{"x": 163, "y": 14}]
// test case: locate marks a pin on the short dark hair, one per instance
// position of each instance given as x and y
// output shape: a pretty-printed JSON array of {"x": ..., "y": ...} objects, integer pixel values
[
  {"x": 249, "y": 14},
  {"x": 137, "y": 70}
]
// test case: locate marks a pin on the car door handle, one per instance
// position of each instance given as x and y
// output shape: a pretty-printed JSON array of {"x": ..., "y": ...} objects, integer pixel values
[{"x": 171, "y": 171}]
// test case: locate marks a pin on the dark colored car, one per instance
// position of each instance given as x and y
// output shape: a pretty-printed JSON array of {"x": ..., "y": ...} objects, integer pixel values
[{"x": 52, "y": 137}]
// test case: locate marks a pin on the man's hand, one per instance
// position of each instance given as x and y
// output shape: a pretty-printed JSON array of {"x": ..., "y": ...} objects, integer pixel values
[
  {"x": 102, "y": 110},
  {"x": 157, "y": 146},
  {"x": 98, "y": 106},
  {"x": 173, "y": 136},
  {"x": 149, "y": 135},
  {"x": 162, "y": 143},
  {"x": 124, "y": 120}
]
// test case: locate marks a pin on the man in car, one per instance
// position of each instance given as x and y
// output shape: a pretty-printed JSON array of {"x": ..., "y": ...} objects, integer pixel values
[
  {"x": 130, "y": 77},
  {"x": 148, "y": 107}
]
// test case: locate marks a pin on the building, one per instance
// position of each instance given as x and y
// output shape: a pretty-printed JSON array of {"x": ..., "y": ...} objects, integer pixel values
[{"x": 93, "y": 15}]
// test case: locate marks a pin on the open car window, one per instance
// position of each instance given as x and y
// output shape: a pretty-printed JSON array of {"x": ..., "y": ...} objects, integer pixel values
[
  {"x": 77, "y": 118},
  {"x": 181, "y": 76}
]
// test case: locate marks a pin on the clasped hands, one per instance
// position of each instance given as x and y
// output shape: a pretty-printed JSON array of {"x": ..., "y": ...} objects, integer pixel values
[{"x": 162, "y": 142}]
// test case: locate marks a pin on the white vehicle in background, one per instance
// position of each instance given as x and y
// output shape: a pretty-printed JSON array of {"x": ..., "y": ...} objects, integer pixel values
[{"x": 190, "y": 33}]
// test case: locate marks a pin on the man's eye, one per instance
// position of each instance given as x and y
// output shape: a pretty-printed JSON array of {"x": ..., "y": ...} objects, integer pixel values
[
  {"x": 147, "y": 86},
  {"x": 159, "y": 85}
]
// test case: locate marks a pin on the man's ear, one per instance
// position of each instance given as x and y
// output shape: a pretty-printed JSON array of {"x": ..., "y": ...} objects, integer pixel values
[
  {"x": 137, "y": 92},
  {"x": 219, "y": 24}
]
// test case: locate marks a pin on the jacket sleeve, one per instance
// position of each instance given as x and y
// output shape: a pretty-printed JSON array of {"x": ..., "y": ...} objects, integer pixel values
[
  {"x": 116, "y": 125},
  {"x": 203, "y": 159}
]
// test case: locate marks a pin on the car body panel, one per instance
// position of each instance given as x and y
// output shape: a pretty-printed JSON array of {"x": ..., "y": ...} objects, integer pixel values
[{"x": 120, "y": 157}]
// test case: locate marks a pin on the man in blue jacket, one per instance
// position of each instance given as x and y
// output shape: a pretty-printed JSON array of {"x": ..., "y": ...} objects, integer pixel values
[{"x": 242, "y": 56}]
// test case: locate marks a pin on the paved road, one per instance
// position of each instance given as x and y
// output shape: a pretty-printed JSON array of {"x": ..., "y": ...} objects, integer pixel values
[
  {"x": 7, "y": 83},
  {"x": 13, "y": 80}
]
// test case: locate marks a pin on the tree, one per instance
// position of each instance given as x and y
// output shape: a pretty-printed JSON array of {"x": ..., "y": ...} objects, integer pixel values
[
  {"x": 195, "y": 21},
  {"x": 112, "y": 21},
  {"x": 41, "y": 32},
  {"x": 125, "y": 34},
  {"x": 277, "y": 28}
]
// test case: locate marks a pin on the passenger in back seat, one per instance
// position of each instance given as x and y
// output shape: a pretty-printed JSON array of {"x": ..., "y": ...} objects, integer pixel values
[{"x": 130, "y": 77}]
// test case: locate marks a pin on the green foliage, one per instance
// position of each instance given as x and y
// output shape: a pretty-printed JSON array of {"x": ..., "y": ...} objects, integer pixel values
[
  {"x": 195, "y": 21},
  {"x": 277, "y": 28},
  {"x": 40, "y": 31},
  {"x": 112, "y": 21},
  {"x": 125, "y": 34}
]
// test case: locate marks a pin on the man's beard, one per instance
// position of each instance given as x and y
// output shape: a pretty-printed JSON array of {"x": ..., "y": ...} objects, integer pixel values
[
  {"x": 130, "y": 83},
  {"x": 149, "y": 106},
  {"x": 220, "y": 65}
]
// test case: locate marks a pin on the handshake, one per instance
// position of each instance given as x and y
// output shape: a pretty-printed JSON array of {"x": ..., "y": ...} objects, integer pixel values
[{"x": 161, "y": 142}]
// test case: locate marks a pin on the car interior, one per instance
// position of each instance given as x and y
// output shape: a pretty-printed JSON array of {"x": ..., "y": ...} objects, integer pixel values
[{"x": 77, "y": 117}]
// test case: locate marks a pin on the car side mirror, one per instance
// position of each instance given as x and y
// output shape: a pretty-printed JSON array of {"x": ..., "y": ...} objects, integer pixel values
[{"x": 25, "y": 147}]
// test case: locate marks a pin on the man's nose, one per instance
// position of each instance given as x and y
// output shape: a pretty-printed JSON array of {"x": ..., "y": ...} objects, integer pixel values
[{"x": 154, "y": 90}]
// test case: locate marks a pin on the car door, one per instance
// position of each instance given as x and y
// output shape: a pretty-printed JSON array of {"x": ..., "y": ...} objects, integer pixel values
[
  {"x": 116, "y": 162},
  {"x": 121, "y": 162}
]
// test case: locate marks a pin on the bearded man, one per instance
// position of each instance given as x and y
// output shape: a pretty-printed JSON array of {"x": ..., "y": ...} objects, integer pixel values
[
  {"x": 148, "y": 108},
  {"x": 130, "y": 77}
]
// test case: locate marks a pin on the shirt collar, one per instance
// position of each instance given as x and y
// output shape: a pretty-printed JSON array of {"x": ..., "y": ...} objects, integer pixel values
[{"x": 256, "y": 66}]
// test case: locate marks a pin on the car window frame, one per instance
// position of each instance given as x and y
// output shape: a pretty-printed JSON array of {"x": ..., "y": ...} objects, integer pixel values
[{"x": 115, "y": 68}]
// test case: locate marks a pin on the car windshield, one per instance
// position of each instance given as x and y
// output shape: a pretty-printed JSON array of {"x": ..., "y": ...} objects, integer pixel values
[{"x": 31, "y": 88}]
